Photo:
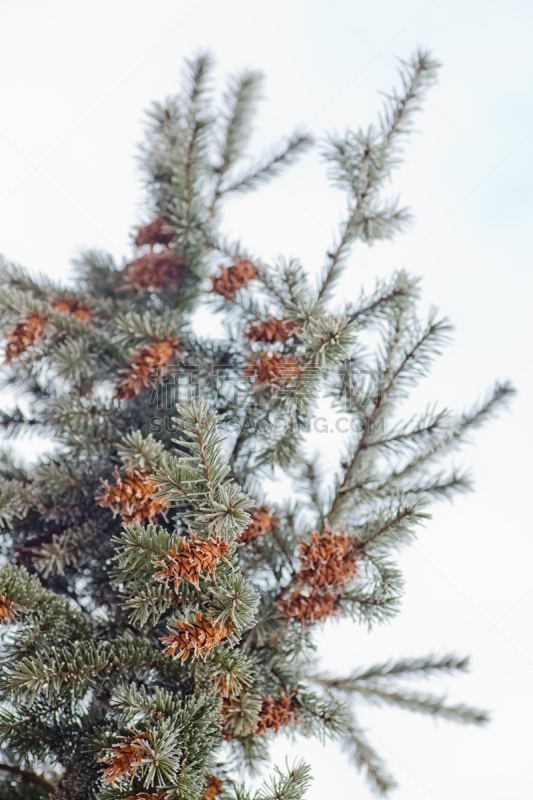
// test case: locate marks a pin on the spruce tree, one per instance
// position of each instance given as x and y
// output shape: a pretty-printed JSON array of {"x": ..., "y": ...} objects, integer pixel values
[{"x": 158, "y": 606}]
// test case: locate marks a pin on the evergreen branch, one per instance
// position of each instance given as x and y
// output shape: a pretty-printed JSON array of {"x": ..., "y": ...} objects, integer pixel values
[
  {"x": 320, "y": 717},
  {"x": 100, "y": 278},
  {"x": 376, "y": 595},
  {"x": 19, "y": 278},
  {"x": 138, "y": 547},
  {"x": 327, "y": 340},
  {"x": 365, "y": 758},
  {"x": 228, "y": 671},
  {"x": 391, "y": 527},
  {"x": 336, "y": 257},
  {"x": 407, "y": 434},
  {"x": 81, "y": 416},
  {"x": 30, "y": 597},
  {"x": 241, "y": 101},
  {"x": 279, "y": 451},
  {"x": 12, "y": 505},
  {"x": 400, "y": 292},
  {"x": 196, "y": 76},
  {"x": 425, "y": 666},
  {"x": 55, "y": 477},
  {"x": 442, "y": 486},
  {"x": 421, "y": 347},
  {"x": 417, "y": 76},
  {"x": 141, "y": 452},
  {"x": 310, "y": 479},
  {"x": 235, "y": 601},
  {"x": 69, "y": 671},
  {"x": 68, "y": 549},
  {"x": 16, "y": 423},
  {"x": 12, "y": 466},
  {"x": 146, "y": 602},
  {"x": 423, "y": 703},
  {"x": 147, "y": 326},
  {"x": 457, "y": 433},
  {"x": 288, "y": 284},
  {"x": 270, "y": 165},
  {"x": 289, "y": 785},
  {"x": 28, "y": 777},
  {"x": 343, "y": 488},
  {"x": 362, "y": 160}
]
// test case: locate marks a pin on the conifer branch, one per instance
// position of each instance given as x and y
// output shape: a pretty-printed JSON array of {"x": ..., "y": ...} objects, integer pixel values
[
  {"x": 270, "y": 165},
  {"x": 240, "y": 100},
  {"x": 161, "y": 611},
  {"x": 28, "y": 777},
  {"x": 424, "y": 704},
  {"x": 288, "y": 785},
  {"x": 366, "y": 758},
  {"x": 401, "y": 290},
  {"x": 425, "y": 666}
]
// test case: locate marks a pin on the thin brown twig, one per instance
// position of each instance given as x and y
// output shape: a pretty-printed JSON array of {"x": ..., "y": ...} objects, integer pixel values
[{"x": 29, "y": 777}]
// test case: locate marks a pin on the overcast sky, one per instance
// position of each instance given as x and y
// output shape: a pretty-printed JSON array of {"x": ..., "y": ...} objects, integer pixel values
[{"x": 75, "y": 78}]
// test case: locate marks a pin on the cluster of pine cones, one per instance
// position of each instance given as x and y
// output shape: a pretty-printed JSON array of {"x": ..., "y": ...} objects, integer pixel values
[
  {"x": 326, "y": 563},
  {"x": 155, "y": 269}
]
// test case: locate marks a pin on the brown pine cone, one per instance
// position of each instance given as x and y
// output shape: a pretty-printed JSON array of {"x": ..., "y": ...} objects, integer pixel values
[
  {"x": 131, "y": 498},
  {"x": 269, "y": 330},
  {"x": 147, "y": 362},
  {"x": 262, "y": 522},
  {"x": 234, "y": 278},
  {"x": 195, "y": 556},
  {"x": 194, "y": 637},
  {"x": 25, "y": 333},
  {"x": 155, "y": 271},
  {"x": 156, "y": 232}
]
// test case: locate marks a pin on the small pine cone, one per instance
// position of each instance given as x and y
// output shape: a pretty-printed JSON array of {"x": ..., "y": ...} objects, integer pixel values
[
  {"x": 130, "y": 497},
  {"x": 195, "y": 556},
  {"x": 154, "y": 271},
  {"x": 233, "y": 278},
  {"x": 7, "y": 614},
  {"x": 277, "y": 712},
  {"x": 272, "y": 369},
  {"x": 329, "y": 559},
  {"x": 315, "y": 607},
  {"x": 269, "y": 330},
  {"x": 213, "y": 788},
  {"x": 76, "y": 308},
  {"x": 126, "y": 757},
  {"x": 25, "y": 333},
  {"x": 156, "y": 232},
  {"x": 262, "y": 522},
  {"x": 148, "y": 365},
  {"x": 194, "y": 637}
]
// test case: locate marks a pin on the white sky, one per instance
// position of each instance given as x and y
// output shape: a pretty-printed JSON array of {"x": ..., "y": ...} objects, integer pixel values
[{"x": 75, "y": 79}]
